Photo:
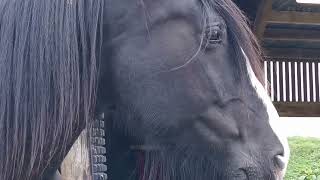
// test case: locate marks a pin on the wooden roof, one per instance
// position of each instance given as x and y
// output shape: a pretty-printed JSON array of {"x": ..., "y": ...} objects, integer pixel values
[
  {"x": 289, "y": 31},
  {"x": 285, "y": 27}
]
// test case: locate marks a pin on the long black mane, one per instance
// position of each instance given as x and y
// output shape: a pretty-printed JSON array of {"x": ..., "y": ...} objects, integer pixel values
[{"x": 48, "y": 74}]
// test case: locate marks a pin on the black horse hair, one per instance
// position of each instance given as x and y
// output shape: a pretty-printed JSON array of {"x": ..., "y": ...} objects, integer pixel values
[{"x": 48, "y": 77}]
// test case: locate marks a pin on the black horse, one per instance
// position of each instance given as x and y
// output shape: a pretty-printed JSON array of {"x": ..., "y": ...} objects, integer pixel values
[{"x": 178, "y": 78}]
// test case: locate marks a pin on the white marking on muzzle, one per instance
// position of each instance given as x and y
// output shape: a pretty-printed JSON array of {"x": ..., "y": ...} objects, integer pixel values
[{"x": 272, "y": 113}]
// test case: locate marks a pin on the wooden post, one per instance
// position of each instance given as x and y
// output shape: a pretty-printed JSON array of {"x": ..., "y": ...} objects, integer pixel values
[
  {"x": 263, "y": 14},
  {"x": 76, "y": 164}
]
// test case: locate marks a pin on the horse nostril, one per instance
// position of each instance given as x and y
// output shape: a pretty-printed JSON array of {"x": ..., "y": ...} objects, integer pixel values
[{"x": 279, "y": 161}]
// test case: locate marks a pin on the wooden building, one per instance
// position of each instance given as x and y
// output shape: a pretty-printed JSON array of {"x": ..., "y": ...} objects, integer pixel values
[{"x": 290, "y": 35}]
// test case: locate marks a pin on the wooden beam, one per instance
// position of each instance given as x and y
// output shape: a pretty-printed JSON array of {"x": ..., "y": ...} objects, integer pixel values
[
  {"x": 290, "y": 59},
  {"x": 293, "y": 17},
  {"x": 76, "y": 164},
  {"x": 281, "y": 3},
  {"x": 292, "y": 33},
  {"x": 298, "y": 109},
  {"x": 292, "y": 53},
  {"x": 291, "y": 43},
  {"x": 264, "y": 11}
]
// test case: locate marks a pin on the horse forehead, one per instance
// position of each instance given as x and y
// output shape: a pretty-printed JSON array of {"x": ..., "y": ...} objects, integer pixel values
[
  {"x": 133, "y": 10},
  {"x": 185, "y": 4},
  {"x": 164, "y": 8},
  {"x": 168, "y": 4}
]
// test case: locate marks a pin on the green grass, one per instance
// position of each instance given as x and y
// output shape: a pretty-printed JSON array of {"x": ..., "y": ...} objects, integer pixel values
[{"x": 304, "y": 162}]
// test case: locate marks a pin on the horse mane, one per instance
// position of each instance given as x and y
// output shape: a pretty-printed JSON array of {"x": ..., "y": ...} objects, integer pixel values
[{"x": 48, "y": 77}]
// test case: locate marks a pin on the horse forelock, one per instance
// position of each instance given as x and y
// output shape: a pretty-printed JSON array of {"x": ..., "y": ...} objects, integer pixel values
[{"x": 48, "y": 73}]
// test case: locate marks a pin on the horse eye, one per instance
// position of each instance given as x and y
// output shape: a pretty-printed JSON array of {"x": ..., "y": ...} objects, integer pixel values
[{"x": 213, "y": 35}]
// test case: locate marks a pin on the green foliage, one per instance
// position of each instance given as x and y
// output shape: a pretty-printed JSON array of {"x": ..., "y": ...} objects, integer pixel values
[{"x": 305, "y": 159}]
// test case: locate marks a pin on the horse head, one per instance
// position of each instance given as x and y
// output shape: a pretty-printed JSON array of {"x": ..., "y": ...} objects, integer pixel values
[{"x": 182, "y": 78}]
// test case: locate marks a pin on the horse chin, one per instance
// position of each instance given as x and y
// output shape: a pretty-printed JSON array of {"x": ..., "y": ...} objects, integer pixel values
[
  {"x": 188, "y": 165},
  {"x": 171, "y": 165}
]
